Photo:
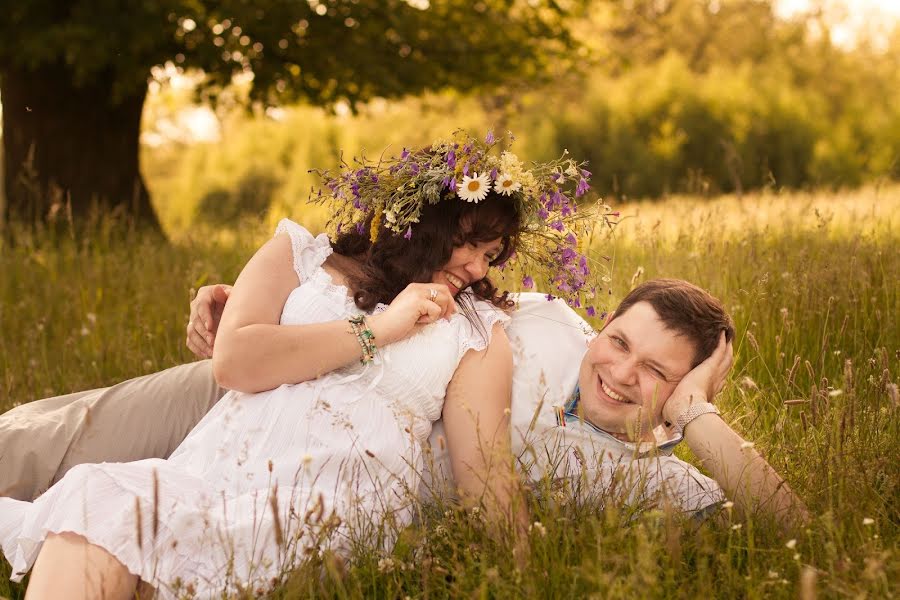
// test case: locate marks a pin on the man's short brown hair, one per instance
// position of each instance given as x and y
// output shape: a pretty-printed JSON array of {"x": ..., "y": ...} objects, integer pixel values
[{"x": 687, "y": 310}]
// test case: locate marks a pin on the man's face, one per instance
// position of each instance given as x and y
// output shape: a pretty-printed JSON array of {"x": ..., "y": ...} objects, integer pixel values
[{"x": 630, "y": 370}]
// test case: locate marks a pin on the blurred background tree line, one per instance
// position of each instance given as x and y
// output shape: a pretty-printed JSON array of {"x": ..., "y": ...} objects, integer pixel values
[{"x": 661, "y": 96}]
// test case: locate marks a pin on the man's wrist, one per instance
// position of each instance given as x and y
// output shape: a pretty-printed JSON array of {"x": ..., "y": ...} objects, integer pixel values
[
  {"x": 692, "y": 413},
  {"x": 674, "y": 407}
]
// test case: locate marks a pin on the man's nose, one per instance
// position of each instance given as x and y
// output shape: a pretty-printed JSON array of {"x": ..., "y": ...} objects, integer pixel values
[{"x": 624, "y": 371}]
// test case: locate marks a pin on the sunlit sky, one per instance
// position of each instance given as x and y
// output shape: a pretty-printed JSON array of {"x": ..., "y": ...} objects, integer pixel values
[{"x": 849, "y": 16}]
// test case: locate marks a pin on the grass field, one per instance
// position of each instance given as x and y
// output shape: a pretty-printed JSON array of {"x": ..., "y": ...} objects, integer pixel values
[{"x": 811, "y": 280}]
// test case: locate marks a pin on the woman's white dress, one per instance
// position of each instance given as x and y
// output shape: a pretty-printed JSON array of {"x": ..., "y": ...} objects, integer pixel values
[{"x": 346, "y": 445}]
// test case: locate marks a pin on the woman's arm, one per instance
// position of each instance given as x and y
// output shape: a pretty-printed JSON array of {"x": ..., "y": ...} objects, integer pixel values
[
  {"x": 476, "y": 422},
  {"x": 745, "y": 476},
  {"x": 254, "y": 353}
]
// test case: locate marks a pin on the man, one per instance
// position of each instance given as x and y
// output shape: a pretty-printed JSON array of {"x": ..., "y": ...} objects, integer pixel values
[{"x": 608, "y": 408}]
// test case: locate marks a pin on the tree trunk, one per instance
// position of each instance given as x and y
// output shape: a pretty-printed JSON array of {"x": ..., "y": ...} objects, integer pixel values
[{"x": 71, "y": 148}]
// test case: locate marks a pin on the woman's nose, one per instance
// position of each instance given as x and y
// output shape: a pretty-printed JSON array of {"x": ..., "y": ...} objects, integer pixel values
[{"x": 478, "y": 267}]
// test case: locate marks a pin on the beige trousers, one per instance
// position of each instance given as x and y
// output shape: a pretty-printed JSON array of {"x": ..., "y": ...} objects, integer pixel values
[{"x": 145, "y": 417}]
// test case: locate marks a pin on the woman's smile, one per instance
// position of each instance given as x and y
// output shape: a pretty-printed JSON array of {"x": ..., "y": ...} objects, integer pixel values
[{"x": 455, "y": 281}]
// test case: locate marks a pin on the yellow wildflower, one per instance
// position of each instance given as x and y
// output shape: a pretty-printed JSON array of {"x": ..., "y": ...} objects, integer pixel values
[{"x": 376, "y": 224}]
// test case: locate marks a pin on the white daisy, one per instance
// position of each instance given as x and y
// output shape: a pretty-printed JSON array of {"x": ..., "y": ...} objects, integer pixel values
[
  {"x": 474, "y": 189},
  {"x": 506, "y": 185}
]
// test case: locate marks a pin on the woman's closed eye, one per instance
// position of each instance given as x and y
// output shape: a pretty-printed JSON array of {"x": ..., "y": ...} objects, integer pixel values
[{"x": 490, "y": 255}]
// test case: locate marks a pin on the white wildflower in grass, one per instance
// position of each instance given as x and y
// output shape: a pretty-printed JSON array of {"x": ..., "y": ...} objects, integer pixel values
[
  {"x": 868, "y": 521},
  {"x": 474, "y": 189},
  {"x": 746, "y": 445},
  {"x": 386, "y": 565},
  {"x": 506, "y": 185},
  {"x": 796, "y": 556},
  {"x": 538, "y": 528},
  {"x": 835, "y": 393},
  {"x": 736, "y": 527},
  {"x": 773, "y": 574},
  {"x": 893, "y": 393},
  {"x": 791, "y": 544},
  {"x": 728, "y": 505}
]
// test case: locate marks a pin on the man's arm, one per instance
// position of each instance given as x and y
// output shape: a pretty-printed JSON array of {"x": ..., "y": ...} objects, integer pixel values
[
  {"x": 206, "y": 313},
  {"x": 745, "y": 476}
]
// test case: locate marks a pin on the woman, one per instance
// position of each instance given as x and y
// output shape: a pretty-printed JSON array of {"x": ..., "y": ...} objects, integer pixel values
[{"x": 362, "y": 341}]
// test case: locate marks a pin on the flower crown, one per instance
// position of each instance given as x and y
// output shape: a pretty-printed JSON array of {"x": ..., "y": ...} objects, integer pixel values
[{"x": 393, "y": 191}]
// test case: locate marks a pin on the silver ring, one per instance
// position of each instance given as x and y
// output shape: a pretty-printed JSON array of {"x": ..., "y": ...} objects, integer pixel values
[{"x": 432, "y": 294}]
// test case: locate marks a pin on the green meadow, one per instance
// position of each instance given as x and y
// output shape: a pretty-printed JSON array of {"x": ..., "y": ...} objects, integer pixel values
[{"x": 810, "y": 278}]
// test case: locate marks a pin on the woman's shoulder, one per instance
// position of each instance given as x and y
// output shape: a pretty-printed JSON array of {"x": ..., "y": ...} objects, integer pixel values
[{"x": 309, "y": 251}]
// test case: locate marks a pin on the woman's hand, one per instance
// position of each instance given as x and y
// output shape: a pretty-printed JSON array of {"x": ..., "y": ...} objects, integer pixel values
[
  {"x": 417, "y": 305},
  {"x": 206, "y": 312},
  {"x": 702, "y": 383}
]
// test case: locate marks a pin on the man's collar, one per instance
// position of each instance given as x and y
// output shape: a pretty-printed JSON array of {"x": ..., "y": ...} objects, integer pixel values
[{"x": 570, "y": 413}]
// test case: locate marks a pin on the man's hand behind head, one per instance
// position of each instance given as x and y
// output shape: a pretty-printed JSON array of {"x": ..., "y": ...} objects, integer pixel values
[
  {"x": 206, "y": 312},
  {"x": 702, "y": 383}
]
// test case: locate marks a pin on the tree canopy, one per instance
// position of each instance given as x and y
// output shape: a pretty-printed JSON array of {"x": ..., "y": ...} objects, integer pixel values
[{"x": 68, "y": 69}]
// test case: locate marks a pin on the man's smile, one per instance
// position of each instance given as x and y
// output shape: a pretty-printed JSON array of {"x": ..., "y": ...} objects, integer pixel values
[{"x": 613, "y": 395}]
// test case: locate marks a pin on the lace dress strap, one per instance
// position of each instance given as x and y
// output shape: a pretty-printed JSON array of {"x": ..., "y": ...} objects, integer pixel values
[{"x": 309, "y": 252}]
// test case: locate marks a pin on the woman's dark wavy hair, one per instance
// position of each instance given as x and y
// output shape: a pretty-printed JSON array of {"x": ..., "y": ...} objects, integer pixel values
[{"x": 392, "y": 262}]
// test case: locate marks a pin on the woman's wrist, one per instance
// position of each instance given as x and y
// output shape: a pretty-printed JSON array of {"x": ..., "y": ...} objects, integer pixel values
[{"x": 383, "y": 332}]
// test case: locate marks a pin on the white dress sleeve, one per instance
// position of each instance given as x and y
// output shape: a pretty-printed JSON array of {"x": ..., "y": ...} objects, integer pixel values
[
  {"x": 477, "y": 335},
  {"x": 309, "y": 252}
]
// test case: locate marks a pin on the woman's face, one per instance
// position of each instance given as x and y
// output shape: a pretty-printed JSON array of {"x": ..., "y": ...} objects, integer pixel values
[{"x": 468, "y": 263}]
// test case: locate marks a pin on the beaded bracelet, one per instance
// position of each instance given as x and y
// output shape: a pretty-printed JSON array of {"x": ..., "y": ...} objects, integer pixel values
[{"x": 365, "y": 337}]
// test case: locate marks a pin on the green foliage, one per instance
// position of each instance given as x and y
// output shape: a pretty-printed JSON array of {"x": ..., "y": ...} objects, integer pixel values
[
  {"x": 810, "y": 280},
  {"x": 664, "y": 129},
  {"x": 702, "y": 97},
  {"x": 316, "y": 51},
  {"x": 283, "y": 150}
]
